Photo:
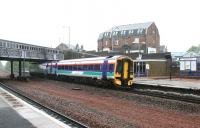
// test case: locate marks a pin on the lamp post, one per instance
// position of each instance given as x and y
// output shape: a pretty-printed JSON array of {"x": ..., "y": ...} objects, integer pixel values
[
  {"x": 69, "y": 30},
  {"x": 69, "y": 35}
]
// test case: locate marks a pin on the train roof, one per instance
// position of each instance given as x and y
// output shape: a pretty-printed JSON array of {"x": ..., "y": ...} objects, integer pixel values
[{"x": 91, "y": 59}]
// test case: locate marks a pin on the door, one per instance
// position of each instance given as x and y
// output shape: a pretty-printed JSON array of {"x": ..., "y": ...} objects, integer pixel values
[
  {"x": 105, "y": 69},
  {"x": 125, "y": 69}
]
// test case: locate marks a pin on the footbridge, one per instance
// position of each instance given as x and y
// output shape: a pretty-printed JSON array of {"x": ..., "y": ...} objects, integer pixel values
[{"x": 16, "y": 51}]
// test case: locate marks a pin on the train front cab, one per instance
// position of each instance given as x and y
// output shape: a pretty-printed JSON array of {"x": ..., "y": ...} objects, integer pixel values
[{"x": 123, "y": 72}]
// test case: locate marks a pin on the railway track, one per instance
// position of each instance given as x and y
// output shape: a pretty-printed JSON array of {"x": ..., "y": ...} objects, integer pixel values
[
  {"x": 67, "y": 120},
  {"x": 186, "y": 95}
]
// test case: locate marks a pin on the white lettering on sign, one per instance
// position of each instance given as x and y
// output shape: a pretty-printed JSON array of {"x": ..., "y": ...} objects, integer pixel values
[{"x": 147, "y": 66}]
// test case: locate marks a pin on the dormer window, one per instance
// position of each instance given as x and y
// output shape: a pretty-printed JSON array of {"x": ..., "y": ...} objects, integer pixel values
[
  {"x": 123, "y": 32},
  {"x": 131, "y": 31}
]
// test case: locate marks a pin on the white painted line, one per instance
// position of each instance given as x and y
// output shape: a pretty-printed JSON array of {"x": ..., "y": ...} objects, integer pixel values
[{"x": 36, "y": 110}]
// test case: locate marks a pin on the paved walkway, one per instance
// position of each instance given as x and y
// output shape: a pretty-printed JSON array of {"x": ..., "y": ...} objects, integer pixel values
[
  {"x": 15, "y": 113},
  {"x": 174, "y": 82}
]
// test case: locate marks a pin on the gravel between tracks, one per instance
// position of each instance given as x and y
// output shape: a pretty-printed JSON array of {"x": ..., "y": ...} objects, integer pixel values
[{"x": 97, "y": 107}]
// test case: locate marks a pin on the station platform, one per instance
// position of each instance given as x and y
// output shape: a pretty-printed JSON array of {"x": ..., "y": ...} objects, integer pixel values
[
  {"x": 193, "y": 84},
  {"x": 15, "y": 113}
]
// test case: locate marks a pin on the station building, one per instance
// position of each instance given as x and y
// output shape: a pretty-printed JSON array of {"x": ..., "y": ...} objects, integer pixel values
[
  {"x": 131, "y": 38},
  {"x": 147, "y": 65}
]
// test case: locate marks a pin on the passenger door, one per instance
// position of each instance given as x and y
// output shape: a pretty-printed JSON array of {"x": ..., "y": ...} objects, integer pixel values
[
  {"x": 104, "y": 69},
  {"x": 125, "y": 69}
]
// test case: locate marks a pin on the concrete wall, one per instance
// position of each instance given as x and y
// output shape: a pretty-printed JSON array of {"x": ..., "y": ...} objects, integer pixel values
[{"x": 158, "y": 68}]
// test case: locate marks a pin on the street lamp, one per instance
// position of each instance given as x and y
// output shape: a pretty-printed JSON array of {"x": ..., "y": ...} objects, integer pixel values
[{"x": 68, "y": 27}]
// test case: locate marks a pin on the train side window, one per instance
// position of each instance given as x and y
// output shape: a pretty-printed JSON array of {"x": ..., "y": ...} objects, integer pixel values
[
  {"x": 90, "y": 67},
  {"x": 66, "y": 67},
  {"x": 97, "y": 67},
  {"x": 70, "y": 67},
  {"x": 80, "y": 67},
  {"x": 75, "y": 67},
  {"x": 111, "y": 67},
  {"x": 119, "y": 66},
  {"x": 85, "y": 67},
  {"x": 59, "y": 67}
]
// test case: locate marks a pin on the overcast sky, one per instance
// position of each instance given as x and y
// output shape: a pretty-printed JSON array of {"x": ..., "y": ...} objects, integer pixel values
[{"x": 46, "y": 22}]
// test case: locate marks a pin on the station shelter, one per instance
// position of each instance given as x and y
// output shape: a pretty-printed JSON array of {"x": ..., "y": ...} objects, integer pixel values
[
  {"x": 190, "y": 66},
  {"x": 152, "y": 65}
]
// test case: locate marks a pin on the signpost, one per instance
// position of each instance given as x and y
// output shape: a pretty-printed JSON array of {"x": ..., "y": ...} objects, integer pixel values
[{"x": 147, "y": 69}]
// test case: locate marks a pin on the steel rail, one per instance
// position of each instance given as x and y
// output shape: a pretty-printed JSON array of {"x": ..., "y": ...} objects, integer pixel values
[
  {"x": 67, "y": 120},
  {"x": 167, "y": 94}
]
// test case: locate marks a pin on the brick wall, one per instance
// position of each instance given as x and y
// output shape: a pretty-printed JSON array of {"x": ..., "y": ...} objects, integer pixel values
[{"x": 151, "y": 38}]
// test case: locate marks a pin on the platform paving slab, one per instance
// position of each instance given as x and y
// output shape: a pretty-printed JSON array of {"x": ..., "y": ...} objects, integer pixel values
[
  {"x": 15, "y": 113},
  {"x": 169, "y": 83}
]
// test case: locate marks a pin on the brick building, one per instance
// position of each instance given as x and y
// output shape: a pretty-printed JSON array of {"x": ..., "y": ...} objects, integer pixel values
[{"x": 132, "y": 38}]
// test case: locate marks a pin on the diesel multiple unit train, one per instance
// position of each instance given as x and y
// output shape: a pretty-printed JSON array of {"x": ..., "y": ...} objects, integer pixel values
[{"x": 117, "y": 70}]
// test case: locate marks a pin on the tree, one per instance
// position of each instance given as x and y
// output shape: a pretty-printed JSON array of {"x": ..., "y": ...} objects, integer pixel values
[{"x": 195, "y": 49}]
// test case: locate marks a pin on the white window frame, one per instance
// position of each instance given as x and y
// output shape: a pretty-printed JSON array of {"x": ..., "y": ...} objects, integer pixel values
[{"x": 117, "y": 42}]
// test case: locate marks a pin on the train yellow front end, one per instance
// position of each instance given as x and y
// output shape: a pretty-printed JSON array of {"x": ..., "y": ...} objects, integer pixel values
[{"x": 123, "y": 73}]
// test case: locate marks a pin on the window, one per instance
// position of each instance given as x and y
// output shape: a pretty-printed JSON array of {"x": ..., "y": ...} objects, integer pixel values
[
  {"x": 74, "y": 67},
  {"x": 4, "y": 44},
  {"x": 123, "y": 32},
  {"x": 97, "y": 67},
  {"x": 80, "y": 67},
  {"x": 131, "y": 31},
  {"x": 115, "y": 33},
  {"x": 66, "y": 67},
  {"x": 8, "y": 45},
  {"x": 90, "y": 67},
  {"x": 59, "y": 67},
  {"x": 106, "y": 43},
  {"x": 136, "y": 40},
  {"x": 111, "y": 67},
  {"x": 117, "y": 42},
  {"x": 119, "y": 66},
  {"x": 70, "y": 67},
  {"x": 85, "y": 67}
]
